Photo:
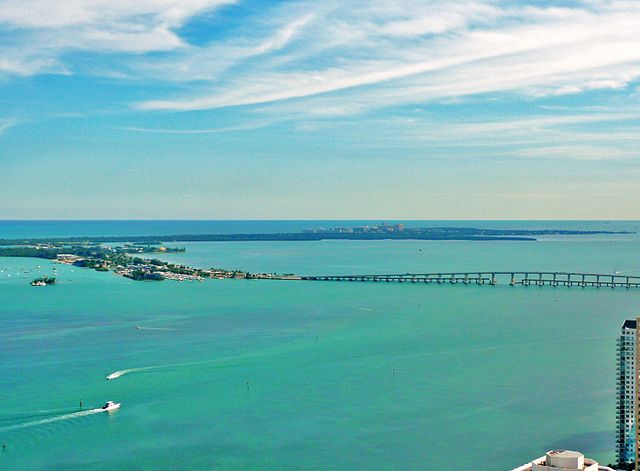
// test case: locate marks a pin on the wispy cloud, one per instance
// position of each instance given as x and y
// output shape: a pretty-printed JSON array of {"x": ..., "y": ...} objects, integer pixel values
[
  {"x": 577, "y": 152},
  {"x": 531, "y": 124},
  {"x": 244, "y": 127},
  {"x": 39, "y": 32},
  {"x": 195, "y": 64},
  {"x": 333, "y": 58},
  {"x": 64, "y": 13},
  {"x": 588, "y": 136},
  {"x": 425, "y": 51},
  {"x": 5, "y": 125}
]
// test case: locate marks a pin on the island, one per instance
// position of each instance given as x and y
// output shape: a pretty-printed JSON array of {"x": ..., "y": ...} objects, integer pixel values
[
  {"x": 43, "y": 281},
  {"x": 146, "y": 244},
  {"x": 123, "y": 255},
  {"x": 468, "y": 233},
  {"x": 121, "y": 261}
]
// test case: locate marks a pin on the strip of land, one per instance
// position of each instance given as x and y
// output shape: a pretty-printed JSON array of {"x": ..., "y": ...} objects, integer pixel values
[
  {"x": 383, "y": 232},
  {"x": 104, "y": 254},
  {"x": 120, "y": 261}
]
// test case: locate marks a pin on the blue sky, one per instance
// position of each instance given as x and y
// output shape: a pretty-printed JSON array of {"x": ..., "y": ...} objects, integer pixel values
[{"x": 406, "y": 109}]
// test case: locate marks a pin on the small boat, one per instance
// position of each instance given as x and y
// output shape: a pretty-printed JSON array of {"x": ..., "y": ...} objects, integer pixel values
[{"x": 110, "y": 405}]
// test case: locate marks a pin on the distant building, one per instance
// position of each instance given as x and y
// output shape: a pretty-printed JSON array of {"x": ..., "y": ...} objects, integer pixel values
[
  {"x": 626, "y": 395},
  {"x": 67, "y": 257},
  {"x": 562, "y": 460}
]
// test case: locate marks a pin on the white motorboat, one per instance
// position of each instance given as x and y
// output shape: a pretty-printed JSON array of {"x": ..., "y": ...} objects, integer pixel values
[{"x": 110, "y": 405}]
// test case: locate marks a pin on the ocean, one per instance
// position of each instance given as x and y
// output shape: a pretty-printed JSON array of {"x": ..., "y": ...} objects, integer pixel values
[{"x": 258, "y": 374}]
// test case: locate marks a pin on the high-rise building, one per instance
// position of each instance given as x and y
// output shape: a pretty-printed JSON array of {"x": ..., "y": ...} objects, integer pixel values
[
  {"x": 562, "y": 460},
  {"x": 626, "y": 413}
]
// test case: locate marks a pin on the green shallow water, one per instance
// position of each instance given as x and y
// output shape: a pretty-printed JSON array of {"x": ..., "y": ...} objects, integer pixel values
[{"x": 300, "y": 375}]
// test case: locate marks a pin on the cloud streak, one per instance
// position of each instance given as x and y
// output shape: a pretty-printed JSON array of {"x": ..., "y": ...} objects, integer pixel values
[
  {"x": 321, "y": 56},
  {"x": 6, "y": 125},
  {"x": 329, "y": 59},
  {"x": 39, "y": 32},
  {"x": 587, "y": 137},
  {"x": 439, "y": 50},
  {"x": 244, "y": 127}
]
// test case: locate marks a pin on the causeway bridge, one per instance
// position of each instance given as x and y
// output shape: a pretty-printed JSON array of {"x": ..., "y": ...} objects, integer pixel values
[{"x": 512, "y": 278}]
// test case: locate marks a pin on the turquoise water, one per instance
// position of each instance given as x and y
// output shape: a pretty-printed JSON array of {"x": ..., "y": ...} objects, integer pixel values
[{"x": 231, "y": 374}]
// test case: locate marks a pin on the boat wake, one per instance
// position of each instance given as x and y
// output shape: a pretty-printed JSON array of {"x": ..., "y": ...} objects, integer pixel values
[
  {"x": 34, "y": 414},
  {"x": 119, "y": 373},
  {"x": 49, "y": 420},
  {"x": 157, "y": 328}
]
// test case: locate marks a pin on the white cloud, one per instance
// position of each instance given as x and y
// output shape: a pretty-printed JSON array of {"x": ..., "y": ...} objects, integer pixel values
[
  {"x": 577, "y": 152},
  {"x": 5, "y": 125},
  {"x": 39, "y": 32},
  {"x": 555, "y": 121},
  {"x": 208, "y": 63},
  {"x": 334, "y": 57},
  {"x": 437, "y": 50},
  {"x": 46, "y": 14},
  {"x": 242, "y": 127},
  {"x": 23, "y": 64},
  {"x": 587, "y": 136}
]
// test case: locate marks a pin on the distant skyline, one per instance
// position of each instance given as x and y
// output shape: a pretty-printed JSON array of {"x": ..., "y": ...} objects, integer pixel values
[{"x": 223, "y": 109}]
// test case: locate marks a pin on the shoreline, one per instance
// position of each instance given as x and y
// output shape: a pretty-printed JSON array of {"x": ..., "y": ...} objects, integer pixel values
[{"x": 384, "y": 232}]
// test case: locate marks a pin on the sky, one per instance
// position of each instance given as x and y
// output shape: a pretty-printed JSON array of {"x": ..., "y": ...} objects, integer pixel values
[{"x": 354, "y": 109}]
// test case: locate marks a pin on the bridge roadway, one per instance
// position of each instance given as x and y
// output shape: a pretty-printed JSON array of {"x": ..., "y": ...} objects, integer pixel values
[{"x": 525, "y": 278}]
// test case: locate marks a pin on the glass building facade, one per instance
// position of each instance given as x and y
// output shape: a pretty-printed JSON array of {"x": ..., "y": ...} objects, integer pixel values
[{"x": 626, "y": 400}]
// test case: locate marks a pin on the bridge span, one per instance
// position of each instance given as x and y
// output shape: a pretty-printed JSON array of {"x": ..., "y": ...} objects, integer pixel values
[{"x": 512, "y": 278}]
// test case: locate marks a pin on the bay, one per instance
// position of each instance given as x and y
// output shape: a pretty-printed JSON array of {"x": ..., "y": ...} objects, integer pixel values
[{"x": 234, "y": 374}]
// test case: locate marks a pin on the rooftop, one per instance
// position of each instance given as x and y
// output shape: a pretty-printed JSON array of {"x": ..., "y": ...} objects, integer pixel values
[
  {"x": 562, "y": 460},
  {"x": 629, "y": 324}
]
